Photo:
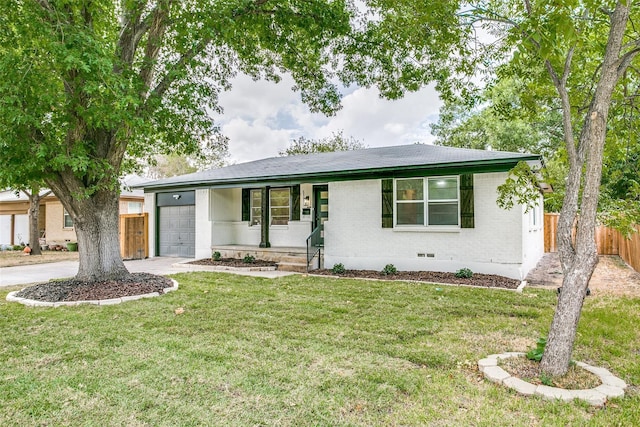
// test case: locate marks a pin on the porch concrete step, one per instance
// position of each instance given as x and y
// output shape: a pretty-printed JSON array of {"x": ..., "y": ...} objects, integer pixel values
[
  {"x": 297, "y": 259},
  {"x": 298, "y": 255},
  {"x": 292, "y": 266}
]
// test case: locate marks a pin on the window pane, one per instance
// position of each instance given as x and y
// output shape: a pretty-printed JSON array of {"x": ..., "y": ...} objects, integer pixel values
[
  {"x": 443, "y": 213},
  {"x": 410, "y": 213},
  {"x": 134, "y": 207},
  {"x": 280, "y": 212},
  {"x": 279, "y": 197},
  {"x": 256, "y": 207},
  {"x": 279, "y": 201},
  {"x": 410, "y": 189},
  {"x": 443, "y": 189},
  {"x": 256, "y": 214},
  {"x": 68, "y": 222}
]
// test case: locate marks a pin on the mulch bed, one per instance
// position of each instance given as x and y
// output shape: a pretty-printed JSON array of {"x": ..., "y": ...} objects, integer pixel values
[
  {"x": 483, "y": 280},
  {"x": 76, "y": 290},
  {"x": 234, "y": 262}
]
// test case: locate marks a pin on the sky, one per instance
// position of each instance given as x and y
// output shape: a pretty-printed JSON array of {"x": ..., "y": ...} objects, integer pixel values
[{"x": 261, "y": 118}]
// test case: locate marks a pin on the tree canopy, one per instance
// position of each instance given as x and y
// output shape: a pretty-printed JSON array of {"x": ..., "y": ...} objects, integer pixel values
[
  {"x": 89, "y": 87},
  {"x": 336, "y": 142}
]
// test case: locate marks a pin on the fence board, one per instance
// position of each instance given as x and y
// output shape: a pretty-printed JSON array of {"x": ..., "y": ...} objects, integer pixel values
[
  {"x": 630, "y": 249},
  {"x": 550, "y": 231},
  {"x": 608, "y": 241},
  {"x": 134, "y": 237}
]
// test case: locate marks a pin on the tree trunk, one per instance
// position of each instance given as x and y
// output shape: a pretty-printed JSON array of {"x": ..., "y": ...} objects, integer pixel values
[
  {"x": 34, "y": 232},
  {"x": 557, "y": 354},
  {"x": 96, "y": 222},
  {"x": 98, "y": 241},
  {"x": 34, "y": 215},
  {"x": 580, "y": 259}
]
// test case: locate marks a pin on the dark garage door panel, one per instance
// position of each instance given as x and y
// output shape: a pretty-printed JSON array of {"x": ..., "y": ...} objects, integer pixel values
[{"x": 177, "y": 231}]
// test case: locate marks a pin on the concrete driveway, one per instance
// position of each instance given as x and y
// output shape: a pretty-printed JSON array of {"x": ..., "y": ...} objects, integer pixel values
[{"x": 37, "y": 273}]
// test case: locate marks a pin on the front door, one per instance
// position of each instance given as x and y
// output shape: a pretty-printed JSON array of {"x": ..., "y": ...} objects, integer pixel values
[{"x": 321, "y": 208}]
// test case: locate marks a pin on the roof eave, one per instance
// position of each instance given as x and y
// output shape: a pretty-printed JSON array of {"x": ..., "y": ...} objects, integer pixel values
[{"x": 481, "y": 166}]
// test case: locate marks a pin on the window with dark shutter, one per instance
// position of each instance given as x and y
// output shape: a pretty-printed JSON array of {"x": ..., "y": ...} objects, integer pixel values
[
  {"x": 466, "y": 201},
  {"x": 246, "y": 204},
  {"x": 295, "y": 203},
  {"x": 387, "y": 203}
]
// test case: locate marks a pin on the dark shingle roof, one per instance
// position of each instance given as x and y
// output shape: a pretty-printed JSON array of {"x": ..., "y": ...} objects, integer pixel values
[{"x": 357, "y": 164}]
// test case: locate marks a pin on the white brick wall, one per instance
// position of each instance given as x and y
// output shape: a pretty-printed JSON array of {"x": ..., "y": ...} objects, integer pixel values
[
  {"x": 354, "y": 236},
  {"x": 150, "y": 207},
  {"x": 203, "y": 223},
  {"x": 532, "y": 236}
]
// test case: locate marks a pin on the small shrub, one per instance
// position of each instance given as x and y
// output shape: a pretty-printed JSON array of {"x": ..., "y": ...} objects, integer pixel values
[
  {"x": 18, "y": 247},
  {"x": 546, "y": 380},
  {"x": 248, "y": 259},
  {"x": 216, "y": 256},
  {"x": 389, "y": 269},
  {"x": 464, "y": 273},
  {"x": 536, "y": 353},
  {"x": 338, "y": 268}
]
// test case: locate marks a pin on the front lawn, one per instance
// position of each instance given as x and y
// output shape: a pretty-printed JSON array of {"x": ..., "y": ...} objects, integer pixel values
[
  {"x": 14, "y": 258},
  {"x": 299, "y": 351}
]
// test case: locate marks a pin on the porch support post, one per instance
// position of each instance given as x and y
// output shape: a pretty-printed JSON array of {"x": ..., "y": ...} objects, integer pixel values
[
  {"x": 13, "y": 229},
  {"x": 264, "y": 219}
]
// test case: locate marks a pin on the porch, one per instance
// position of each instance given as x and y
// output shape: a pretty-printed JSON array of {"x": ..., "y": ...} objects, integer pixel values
[{"x": 289, "y": 258}]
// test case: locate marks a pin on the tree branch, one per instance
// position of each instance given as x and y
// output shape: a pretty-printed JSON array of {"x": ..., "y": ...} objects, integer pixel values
[
  {"x": 133, "y": 29},
  {"x": 626, "y": 59},
  {"x": 560, "y": 83},
  {"x": 158, "y": 26},
  {"x": 45, "y": 5}
]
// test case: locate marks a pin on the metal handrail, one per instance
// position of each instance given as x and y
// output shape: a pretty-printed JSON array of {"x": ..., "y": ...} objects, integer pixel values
[{"x": 313, "y": 244}]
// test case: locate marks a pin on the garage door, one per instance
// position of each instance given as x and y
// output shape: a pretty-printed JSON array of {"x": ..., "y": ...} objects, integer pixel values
[
  {"x": 20, "y": 226},
  {"x": 177, "y": 231}
]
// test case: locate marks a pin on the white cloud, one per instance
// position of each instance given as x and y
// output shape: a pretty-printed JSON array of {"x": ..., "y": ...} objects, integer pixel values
[
  {"x": 253, "y": 141},
  {"x": 261, "y": 118}
]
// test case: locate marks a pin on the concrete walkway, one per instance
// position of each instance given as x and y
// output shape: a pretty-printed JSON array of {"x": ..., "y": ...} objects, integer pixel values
[{"x": 37, "y": 273}]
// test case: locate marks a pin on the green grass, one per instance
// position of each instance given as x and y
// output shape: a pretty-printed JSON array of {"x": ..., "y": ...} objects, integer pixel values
[{"x": 299, "y": 351}]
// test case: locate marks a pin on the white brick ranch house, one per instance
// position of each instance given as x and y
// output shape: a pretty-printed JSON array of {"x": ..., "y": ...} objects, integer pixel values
[{"x": 419, "y": 207}]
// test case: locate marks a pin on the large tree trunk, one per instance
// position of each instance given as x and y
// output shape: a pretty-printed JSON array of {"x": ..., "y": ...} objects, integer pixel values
[
  {"x": 96, "y": 222},
  {"x": 98, "y": 242},
  {"x": 580, "y": 259}
]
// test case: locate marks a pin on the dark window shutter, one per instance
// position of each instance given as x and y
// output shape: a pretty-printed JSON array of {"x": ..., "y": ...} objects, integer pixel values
[
  {"x": 387, "y": 203},
  {"x": 466, "y": 201},
  {"x": 295, "y": 203},
  {"x": 246, "y": 204}
]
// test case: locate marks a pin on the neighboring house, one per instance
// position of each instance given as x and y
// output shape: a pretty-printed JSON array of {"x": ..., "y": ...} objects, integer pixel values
[
  {"x": 419, "y": 207},
  {"x": 54, "y": 223}
]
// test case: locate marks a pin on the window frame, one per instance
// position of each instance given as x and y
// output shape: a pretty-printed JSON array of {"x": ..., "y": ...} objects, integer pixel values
[
  {"x": 427, "y": 202},
  {"x": 66, "y": 215},
  {"x": 255, "y": 220},
  {"x": 288, "y": 206},
  {"x": 255, "y": 211},
  {"x": 139, "y": 207}
]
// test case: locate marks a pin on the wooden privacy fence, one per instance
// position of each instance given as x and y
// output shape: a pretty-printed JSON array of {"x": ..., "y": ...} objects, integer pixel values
[
  {"x": 134, "y": 236},
  {"x": 608, "y": 241}
]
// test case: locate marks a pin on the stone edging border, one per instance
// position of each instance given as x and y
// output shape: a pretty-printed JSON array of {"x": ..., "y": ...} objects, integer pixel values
[
  {"x": 33, "y": 303},
  {"x": 611, "y": 386}
]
